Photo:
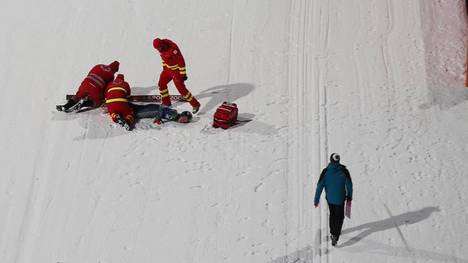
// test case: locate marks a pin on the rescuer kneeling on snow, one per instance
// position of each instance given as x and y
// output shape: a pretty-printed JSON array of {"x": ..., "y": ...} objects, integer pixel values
[
  {"x": 336, "y": 180},
  {"x": 117, "y": 93},
  {"x": 91, "y": 91},
  {"x": 124, "y": 113}
]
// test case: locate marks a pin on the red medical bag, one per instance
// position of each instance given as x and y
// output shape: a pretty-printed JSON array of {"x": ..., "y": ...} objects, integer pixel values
[{"x": 225, "y": 115}]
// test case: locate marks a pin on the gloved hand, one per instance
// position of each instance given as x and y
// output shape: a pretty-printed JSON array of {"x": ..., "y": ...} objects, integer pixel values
[{"x": 184, "y": 77}]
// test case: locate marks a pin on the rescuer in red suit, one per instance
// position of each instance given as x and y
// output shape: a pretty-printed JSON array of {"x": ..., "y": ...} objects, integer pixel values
[
  {"x": 116, "y": 94},
  {"x": 125, "y": 113},
  {"x": 173, "y": 69},
  {"x": 91, "y": 91}
]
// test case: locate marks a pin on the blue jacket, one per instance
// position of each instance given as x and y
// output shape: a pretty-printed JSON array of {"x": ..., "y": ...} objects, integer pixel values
[
  {"x": 154, "y": 110},
  {"x": 337, "y": 183}
]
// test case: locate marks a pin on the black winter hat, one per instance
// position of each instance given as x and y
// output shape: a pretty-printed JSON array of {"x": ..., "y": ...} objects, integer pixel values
[{"x": 335, "y": 158}]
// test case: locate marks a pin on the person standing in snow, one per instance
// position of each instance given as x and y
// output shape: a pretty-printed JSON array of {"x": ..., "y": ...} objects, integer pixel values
[
  {"x": 91, "y": 91},
  {"x": 336, "y": 180},
  {"x": 124, "y": 113},
  {"x": 173, "y": 69}
]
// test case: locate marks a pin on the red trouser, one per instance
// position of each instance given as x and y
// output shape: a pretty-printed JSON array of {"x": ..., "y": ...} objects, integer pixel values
[
  {"x": 166, "y": 76},
  {"x": 121, "y": 108},
  {"x": 90, "y": 90}
]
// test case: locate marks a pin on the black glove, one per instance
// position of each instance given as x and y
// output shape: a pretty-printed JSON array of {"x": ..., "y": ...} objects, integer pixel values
[{"x": 184, "y": 77}]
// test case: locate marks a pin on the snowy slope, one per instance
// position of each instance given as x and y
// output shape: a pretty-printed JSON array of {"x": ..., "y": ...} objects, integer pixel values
[{"x": 380, "y": 82}]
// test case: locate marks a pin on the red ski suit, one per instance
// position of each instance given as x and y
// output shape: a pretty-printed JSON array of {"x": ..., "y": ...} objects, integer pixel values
[
  {"x": 95, "y": 82},
  {"x": 117, "y": 93},
  {"x": 173, "y": 69}
]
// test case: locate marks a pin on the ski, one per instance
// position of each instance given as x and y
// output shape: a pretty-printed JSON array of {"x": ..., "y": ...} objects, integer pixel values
[{"x": 145, "y": 98}]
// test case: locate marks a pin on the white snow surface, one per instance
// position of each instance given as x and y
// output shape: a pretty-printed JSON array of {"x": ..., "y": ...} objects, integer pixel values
[{"x": 380, "y": 82}]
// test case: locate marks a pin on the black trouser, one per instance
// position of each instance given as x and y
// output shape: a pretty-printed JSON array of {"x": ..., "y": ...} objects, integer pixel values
[{"x": 336, "y": 219}]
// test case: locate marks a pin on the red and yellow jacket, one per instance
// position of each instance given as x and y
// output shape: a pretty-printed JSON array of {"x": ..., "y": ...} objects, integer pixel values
[
  {"x": 172, "y": 58},
  {"x": 117, "y": 93},
  {"x": 118, "y": 90},
  {"x": 100, "y": 75}
]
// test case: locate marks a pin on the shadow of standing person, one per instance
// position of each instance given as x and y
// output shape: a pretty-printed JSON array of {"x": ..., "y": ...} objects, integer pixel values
[
  {"x": 219, "y": 94},
  {"x": 392, "y": 222}
]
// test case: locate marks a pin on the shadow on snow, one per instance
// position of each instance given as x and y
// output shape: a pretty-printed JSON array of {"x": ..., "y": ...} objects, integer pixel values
[{"x": 360, "y": 244}]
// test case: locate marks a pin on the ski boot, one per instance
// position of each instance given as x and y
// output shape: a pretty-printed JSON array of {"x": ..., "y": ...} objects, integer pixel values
[
  {"x": 60, "y": 107},
  {"x": 119, "y": 120},
  {"x": 195, "y": 109},
  {"x": 73, "y": 105},
  {"x": 67, "y": 107}
]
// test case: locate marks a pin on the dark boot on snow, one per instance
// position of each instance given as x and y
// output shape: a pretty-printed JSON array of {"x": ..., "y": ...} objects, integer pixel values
[
  {"x": 334, "y": 240},
  {"x": 70, "y": 103},
  {"x": 121, "y": 121},
  {"x": 73, "y": 105}
]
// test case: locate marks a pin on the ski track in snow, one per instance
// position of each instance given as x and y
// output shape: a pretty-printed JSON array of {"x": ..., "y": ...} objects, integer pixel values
[{"x": 309, "y": 30}]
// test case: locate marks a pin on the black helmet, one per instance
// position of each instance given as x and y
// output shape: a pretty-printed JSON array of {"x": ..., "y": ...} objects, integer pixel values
[
  {"x": 184, "y": 117},
  {"x": 335, "y": 158}
]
